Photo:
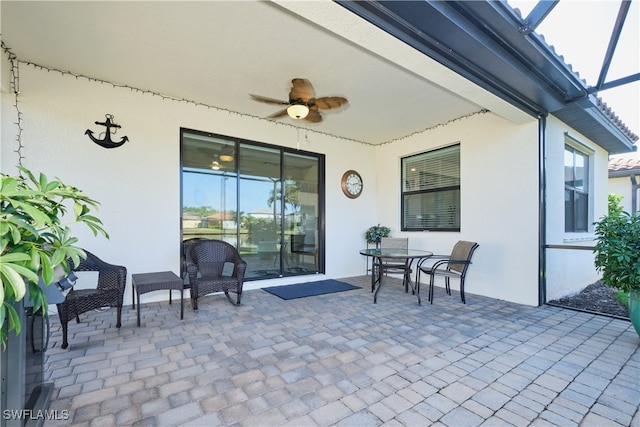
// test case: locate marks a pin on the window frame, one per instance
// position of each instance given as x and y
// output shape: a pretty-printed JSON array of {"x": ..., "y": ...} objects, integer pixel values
[
  {"x": 586, "y": 189},
  {"x": 239, "y": 144},
  {"x": 406, "y": 192}
]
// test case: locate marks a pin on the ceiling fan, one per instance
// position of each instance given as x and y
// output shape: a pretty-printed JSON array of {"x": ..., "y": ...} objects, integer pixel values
[{"x": 302, "y": 104}]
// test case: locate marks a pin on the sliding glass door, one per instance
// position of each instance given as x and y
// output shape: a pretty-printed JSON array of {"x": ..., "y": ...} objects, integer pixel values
[
  {"x": 301, "y": 204},
  {"x": 260, "y": 185},
  {"x": 209, "y": 188},
  {"x": 263, "y": 199}
]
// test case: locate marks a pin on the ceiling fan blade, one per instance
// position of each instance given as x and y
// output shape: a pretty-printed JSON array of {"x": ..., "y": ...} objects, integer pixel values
[
  {"x": 302, "y": 90},
  {"x": 278, "y": 114},
  {"x": 268, "y": 100},
  {"x": 329, "y": 102},
  {"x": 313, "y": 116}
]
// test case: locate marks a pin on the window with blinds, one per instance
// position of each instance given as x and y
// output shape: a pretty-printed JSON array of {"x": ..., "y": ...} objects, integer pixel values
[
  {"x": 431, "y": 190},
  {"x": 576, "y": 190}
]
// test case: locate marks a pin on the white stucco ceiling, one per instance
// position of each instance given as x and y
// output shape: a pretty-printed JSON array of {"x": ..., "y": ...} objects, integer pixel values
[{"x": 218, "y": 52}]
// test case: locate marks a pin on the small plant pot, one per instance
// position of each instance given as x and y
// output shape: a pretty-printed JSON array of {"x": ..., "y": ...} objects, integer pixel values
[{"x": 634, "y": 310}]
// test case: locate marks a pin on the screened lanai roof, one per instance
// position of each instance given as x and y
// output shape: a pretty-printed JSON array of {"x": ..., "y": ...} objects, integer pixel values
[
  {"x": 504, "y": 50},
  {"x": 599, "y": 41}
]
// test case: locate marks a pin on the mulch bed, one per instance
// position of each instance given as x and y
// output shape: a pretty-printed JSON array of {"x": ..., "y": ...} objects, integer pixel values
[{"x": 595, "y": 298}]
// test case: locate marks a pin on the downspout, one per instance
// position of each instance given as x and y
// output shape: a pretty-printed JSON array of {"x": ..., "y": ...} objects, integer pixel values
[
  {"x": 542, "y": 210},
  {"x": 634, "y": 193}
]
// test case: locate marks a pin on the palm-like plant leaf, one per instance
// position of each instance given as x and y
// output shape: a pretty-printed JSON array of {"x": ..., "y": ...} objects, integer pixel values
[{"x": 33, "y": 239}]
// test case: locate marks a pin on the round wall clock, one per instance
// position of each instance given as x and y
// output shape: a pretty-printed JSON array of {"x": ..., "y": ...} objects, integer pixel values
[{"x": 351, "y": 184}]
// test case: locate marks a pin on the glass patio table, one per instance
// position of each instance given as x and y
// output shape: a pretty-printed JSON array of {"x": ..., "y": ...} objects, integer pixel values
[{"x": 405, "y": 255}]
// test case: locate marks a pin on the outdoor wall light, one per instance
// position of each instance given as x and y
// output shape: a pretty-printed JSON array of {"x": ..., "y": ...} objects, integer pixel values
[{"x": 297, "y": 111}]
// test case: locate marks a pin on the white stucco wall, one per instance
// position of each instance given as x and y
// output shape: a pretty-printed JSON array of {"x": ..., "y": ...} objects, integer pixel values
[
  {"x": 569, "y": 271},
  {"x": 138, "y": 184},
  {"x": 623, "y": 187},
  {"x": 499, "y": 197}
]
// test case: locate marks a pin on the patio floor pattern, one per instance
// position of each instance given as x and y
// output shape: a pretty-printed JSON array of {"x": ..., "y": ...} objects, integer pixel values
[{"x": 341, "y": 360}]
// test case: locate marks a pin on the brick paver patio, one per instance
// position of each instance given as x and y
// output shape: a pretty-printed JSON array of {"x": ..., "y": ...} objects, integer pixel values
[{"x": 340, "y": 360}]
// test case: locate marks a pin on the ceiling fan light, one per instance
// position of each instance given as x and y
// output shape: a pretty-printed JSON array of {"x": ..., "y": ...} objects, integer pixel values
[
  {"x": 215, "y": 165},
  {"x": 226, "y": 154},
  {"x": 297, "y": 111}
]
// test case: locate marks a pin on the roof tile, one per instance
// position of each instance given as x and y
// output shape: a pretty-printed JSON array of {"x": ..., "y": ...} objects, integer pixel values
[{"x": 623, "y": 166}]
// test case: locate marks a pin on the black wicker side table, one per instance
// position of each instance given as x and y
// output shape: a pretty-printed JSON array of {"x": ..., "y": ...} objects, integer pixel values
[{"x": 149, "y": 282}]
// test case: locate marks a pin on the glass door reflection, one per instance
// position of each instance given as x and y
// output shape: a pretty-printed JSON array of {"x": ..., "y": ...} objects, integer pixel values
[
  {"x": 301, "y": 212},
  {"x": 262, "y": 199},
  {"x": 260, "y": 186}
]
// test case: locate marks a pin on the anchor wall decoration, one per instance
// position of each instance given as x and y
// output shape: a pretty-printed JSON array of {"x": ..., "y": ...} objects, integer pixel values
[{"x": 106, "y": 142}]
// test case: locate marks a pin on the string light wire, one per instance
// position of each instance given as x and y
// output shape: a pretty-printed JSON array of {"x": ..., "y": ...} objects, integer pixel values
[
  {"x": 14, "y": 61},
  {"x": 15, "y": 89}
]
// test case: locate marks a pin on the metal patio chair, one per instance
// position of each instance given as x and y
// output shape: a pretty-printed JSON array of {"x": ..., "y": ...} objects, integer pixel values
[
  {"x": 390, "y": 265},
  {"x": 448, "y": 266}
]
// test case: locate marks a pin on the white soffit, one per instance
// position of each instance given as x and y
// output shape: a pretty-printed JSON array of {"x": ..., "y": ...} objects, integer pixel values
[
  {"x": 218, "y": 52},
  {"x": 346, "y": 24}
]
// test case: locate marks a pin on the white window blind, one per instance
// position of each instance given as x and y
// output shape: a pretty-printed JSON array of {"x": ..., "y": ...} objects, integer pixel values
[
  {"x": 576, "y": 190},
  {"x": 431, "y": 190}
]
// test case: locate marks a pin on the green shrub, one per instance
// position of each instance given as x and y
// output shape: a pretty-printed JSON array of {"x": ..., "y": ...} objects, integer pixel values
[
  {"x": 34, "y": 240},
  {"x": 617, "y": 251}
]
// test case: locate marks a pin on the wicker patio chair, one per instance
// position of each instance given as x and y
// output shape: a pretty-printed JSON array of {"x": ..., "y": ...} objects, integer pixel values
[
  {"x": 186, "y": 256},
  {"x": 207, "y": 272},
  {"x": 108, "y": 293},
  {"x": 448, "y": 266}
]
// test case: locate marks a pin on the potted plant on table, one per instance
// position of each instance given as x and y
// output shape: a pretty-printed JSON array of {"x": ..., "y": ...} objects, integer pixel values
[
  {"x": 376, "y": 233},
  {"x": 34, "y": 240},
  {"x": 617, "y": 255}
]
